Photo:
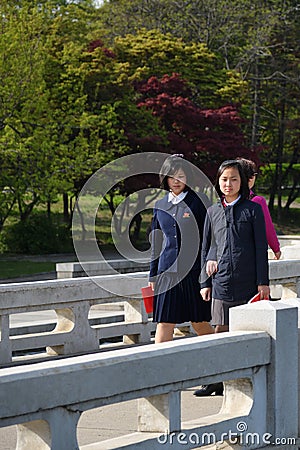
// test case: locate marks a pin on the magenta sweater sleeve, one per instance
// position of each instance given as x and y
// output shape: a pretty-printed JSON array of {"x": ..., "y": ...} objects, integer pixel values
[{"x": 270, "y": 230}]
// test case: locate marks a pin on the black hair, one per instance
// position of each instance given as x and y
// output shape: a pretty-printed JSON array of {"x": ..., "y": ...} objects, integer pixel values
[
  {"x": 244, "y": 189},
  {"x": 171, "y": 166},
  {"x": 248, "y": 166}
]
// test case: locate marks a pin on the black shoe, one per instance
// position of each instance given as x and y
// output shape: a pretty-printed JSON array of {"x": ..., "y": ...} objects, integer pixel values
[{"x": 209, "y": 389}]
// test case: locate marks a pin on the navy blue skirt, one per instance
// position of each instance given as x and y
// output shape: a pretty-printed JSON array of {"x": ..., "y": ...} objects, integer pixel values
[{"x": 179, "y": 301}]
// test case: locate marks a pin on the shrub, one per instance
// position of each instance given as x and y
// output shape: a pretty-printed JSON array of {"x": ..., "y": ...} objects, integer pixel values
[{"x": 38, "y": 234}]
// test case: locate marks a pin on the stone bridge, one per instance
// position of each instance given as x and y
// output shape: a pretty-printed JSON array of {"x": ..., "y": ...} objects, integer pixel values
[{"x": 257, "y": 360}]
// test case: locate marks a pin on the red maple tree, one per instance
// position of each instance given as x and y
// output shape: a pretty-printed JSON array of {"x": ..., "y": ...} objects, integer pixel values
[{"x": 205, "y": 136}]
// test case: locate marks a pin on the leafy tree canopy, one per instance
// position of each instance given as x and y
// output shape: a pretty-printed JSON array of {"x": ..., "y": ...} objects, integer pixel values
[
  {"x": 152, "y": 53},
  {"x": 204, "y": 136}
]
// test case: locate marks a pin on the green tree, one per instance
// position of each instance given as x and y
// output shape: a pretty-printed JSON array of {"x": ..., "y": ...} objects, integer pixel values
[
  {"x": 281, "y": 113},
  {"x": 259, "y": 40},
  {"x": 47, "y": 137},
  {"x": 22, "y": 100},
  {"x": 152, "y": 53}
]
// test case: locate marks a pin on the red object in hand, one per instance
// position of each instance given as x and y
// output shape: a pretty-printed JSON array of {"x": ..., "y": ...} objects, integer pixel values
[
  {"x": 257, "y": 298},
  {"x": 148, "y": 295}
]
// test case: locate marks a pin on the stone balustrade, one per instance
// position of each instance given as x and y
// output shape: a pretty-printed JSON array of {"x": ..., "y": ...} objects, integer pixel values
[
  {"x": 257, "y": 361},
  {"x": 290, "y": 248},
  {"x": 286, "y": 239},
  {"x": 94, "y": 268},
  {"x": 72, "y": 300},
  {"x": 285, "y": 278}
]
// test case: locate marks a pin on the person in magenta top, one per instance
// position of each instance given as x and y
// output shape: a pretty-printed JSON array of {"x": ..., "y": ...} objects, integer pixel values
[{"x": 250, "y": 171}]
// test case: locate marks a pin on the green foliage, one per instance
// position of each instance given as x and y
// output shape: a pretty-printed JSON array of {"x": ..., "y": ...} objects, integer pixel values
[
  {"x": 50, "y": 140},
  {"x": 290, "y": 182},
  {"x": 290, "y": 175},
  {"x": 152, "y": 53},
  {"x": 257, "y": 40},
  {"x": 23, "y": 102},
  {"x": 37, "y": 235},
  {"x": 69, "y": 77}
]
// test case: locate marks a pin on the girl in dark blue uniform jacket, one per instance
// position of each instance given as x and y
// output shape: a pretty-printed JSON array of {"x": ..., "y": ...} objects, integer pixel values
[
  {"x": 234, "y": 252},
  {"x": 176, "y": 257},
  {"x": 234, "y": 249}
]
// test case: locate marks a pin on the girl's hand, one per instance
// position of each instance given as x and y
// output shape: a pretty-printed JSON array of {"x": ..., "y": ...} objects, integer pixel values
[
  {"x": 206, "y": 294},
  {"x": 277, "y": 255},
  {"x": 211, "y": 267},
  {"x": 264, "y": 292},
  {"x": 152, "y": 284}
]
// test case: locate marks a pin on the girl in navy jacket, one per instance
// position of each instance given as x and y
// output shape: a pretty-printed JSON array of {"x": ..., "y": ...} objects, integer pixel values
[
  {"x": 234, "y": 252},
  {"x": 234, "y": 249},
  {"x": 176, "y": 239}
]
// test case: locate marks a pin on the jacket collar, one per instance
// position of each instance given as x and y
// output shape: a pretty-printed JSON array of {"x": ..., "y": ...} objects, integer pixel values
[
  {"x": 176, "y": 199},
  {"x": 220, "y": 203},
  {"x": 166, "y": 205}
]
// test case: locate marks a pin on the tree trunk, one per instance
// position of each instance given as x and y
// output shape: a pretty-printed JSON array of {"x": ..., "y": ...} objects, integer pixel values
[
  {"x": 49, "y": 209},
  {"x": 136, "y": 225},
  {"x": 273, "y": 190},
  {"x": 83, "y": 229},
  {"x": 295, "y": 175},
  {"x": 26, "y": 209},
  {"x": 66, "y": 213},
  {"x": 281, "y": 136},
  {"x": 255, "y": 106}
]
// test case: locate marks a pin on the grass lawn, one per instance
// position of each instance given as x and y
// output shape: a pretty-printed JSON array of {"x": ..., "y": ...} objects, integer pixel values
[{"x": 13, "y": 268}]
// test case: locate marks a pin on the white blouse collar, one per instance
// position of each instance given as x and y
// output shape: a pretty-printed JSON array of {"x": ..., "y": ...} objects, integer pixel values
[
  {"x": 231, "y": 203},
  {"x": 176, "y": 198}
]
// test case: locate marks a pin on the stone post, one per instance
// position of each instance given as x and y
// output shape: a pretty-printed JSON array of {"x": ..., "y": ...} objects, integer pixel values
[
  {"x": 134, "y": 311},
  {"x": 5, "y": 343},
  {"x": 296, "y": 303},
  {"x": 56, "y": 431},
  {"x": 80, "y": 337},
  {"x": 160, "y": 413},
  {"x": 280, "y": 322}
]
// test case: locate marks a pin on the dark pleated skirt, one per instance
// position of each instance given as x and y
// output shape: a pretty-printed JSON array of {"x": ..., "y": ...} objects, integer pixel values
[{"x": 178, "y": 301}]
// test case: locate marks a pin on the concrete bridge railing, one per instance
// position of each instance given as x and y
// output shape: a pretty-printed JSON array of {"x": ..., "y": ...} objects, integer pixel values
[
  {"x": 285, "y": 278},
  {"x": 96, "y": 268},
  {"x": 257, "y": 360},
  {"x": 72, "y": 300},
  {"x": 290, "y": 249}
]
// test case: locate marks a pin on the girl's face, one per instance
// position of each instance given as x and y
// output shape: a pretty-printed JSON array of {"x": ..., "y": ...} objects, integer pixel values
[
  {"x": 230, "y": 184},
  {"x": 251, "y": 182},
  {"x": 177, "y": 182}
]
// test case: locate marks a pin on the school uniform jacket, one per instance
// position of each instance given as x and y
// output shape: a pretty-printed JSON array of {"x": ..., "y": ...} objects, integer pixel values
[
  {"x": 176, "y": 236},
  {"x": 236, "y": 237}
]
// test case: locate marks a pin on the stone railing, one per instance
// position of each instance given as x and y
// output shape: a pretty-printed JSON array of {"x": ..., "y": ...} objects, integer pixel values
[
  {"x": 257, "y": 361},
  {"x": 75, "y": 269},
  {"x": 290, "y": 249},
  {"x": 72, "y": 300},
  {"x": 286, "y": 239},
  {"x": 284, "y": 274},
  {"x": 285, "y": 278}
]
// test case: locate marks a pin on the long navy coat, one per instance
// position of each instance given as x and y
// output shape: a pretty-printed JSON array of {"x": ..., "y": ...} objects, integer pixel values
[
  {"x": 236, "y": 237},
  {"x": 177, "y": 236}
]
